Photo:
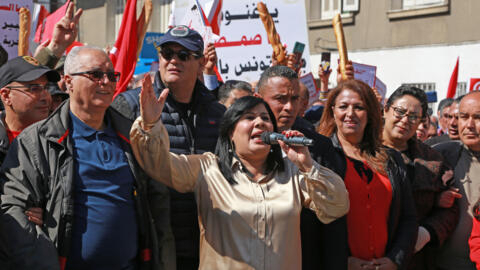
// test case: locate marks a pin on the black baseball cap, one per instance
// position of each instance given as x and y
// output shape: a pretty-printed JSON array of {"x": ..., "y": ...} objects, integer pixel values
[
  {"x": 25, "y": 69},
  {"x": 184, "y": 36}
]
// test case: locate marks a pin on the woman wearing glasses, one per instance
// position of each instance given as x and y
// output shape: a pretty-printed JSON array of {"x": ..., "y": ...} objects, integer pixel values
[
  {"x": 427, "y": 172},
  {"x": 249, "y": 197},
  {"x": 380, "y": 228}
]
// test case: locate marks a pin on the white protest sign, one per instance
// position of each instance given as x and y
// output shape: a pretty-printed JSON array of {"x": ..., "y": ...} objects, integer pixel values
[
  {"x": 193, "y": 19},
  {"x": 311, "y": 85},
  {"x": 243, "y": 49},
  {"x": 9, "y": 24},
  {"x": 365, "y": 73}
]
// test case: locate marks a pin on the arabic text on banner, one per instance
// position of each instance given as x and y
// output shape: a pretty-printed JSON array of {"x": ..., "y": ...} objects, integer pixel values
[{"x": 243, "y": 49}]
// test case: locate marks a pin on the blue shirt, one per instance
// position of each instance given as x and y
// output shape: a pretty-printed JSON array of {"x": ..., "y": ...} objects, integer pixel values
[{"x": 104, "y": 232}]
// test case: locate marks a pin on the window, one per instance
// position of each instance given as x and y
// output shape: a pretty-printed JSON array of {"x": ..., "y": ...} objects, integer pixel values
[
  {"x": 350, "y": 5},
  {"x": 321, "y": 12},
  {"x": 429, "y": 89},
  {"x": 461, "y": 89},
  {"x": 329, "y": 9},
  {"x": 401, "y": 9},
  {"x": 407, "y": 4}
]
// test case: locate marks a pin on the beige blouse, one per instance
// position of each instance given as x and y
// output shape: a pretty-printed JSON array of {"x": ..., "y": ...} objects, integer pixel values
[{"x": 248, "y": 225}]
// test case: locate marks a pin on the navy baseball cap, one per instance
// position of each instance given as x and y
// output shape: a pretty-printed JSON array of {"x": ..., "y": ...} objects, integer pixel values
[
  {"x": 25, "y": 69},
  {"x": 184, "y": 36}
]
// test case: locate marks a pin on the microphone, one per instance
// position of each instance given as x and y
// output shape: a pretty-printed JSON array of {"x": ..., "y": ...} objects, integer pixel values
[{"x": 272, "y": 137}]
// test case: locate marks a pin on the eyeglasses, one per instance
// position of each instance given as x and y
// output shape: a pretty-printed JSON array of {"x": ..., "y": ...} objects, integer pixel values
[
  {"x": 31, "y": 88},
  {"x": 183, "y": 55},
  {"x": 97, "y": 75},
  {"x": 401, "y": 112}
]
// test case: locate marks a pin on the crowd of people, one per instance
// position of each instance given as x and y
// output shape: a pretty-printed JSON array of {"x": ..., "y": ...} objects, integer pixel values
[{"x": 175, "y": 173}]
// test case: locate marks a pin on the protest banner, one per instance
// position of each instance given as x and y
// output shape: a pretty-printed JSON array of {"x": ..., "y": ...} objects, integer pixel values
[
  {"x": 242, "y": 49},
  {"x": 474, "y": 84},
  {"x": 194, "y": 20},
  {"x": 9, "y": 24},
  {"x": 311, "y": 85},
  {"x": 365, "y": 73}
]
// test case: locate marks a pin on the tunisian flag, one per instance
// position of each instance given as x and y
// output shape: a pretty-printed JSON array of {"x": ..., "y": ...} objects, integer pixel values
[
  {"x": 452, "y": 85},
  {"x": 124, "y": 52}
]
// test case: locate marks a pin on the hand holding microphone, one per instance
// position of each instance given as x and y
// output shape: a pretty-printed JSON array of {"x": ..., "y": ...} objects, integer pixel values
[
  {"x": 294, "y": 144},
  {"x": 272, "y": 138}
]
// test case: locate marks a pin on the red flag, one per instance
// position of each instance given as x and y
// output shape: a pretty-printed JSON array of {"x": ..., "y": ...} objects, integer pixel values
[
  {"x": 50, "y": 21},
  {"x": 41, "y": 14},
  {"x": 74, "y": 44},
  {"x": 124, "y": 52},
  {"x": 474, "y": 84},
  {"x": 452, "y": 85}
]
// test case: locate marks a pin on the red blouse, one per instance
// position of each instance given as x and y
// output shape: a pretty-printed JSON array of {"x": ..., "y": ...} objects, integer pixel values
[
  {"x": 12, "y": 134},
  {"x": 370, "y": 199}
]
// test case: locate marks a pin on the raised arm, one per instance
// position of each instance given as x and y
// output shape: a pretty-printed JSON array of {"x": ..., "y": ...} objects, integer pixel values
[{"x": 151, "y": 145}]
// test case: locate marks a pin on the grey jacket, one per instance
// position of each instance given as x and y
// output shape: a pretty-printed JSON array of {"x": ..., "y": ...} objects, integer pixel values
[{"x": 38, "y": 172}]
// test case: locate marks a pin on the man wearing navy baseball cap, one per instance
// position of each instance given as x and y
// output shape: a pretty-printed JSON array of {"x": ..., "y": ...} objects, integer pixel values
[
  {"x": 23, "y": 83},
  {"x": 192, "y": 117}
]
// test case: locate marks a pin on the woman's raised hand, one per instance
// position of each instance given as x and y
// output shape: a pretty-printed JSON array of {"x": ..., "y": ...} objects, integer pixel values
[
  {"x": 150, "y": 107},
  {"x": 299, "y": 155}
]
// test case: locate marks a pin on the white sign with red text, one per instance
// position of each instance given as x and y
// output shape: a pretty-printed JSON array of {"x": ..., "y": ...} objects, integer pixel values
[
  {"x": 243, "y": 49},
  {"x": 365, "y": 73}
]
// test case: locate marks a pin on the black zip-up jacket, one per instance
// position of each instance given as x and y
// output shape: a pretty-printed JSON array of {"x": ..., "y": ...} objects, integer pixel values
[
  {"x": 191, "y": 131},
  {"x": 39, "y": 172},
  {"x": 325, "y": 246}
]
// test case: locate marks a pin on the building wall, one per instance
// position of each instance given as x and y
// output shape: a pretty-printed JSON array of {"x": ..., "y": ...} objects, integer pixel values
[
  {"x": 371, "y": 27},
  {"x": 101, "y": 19},
  {"x": 415, "y": 49}
]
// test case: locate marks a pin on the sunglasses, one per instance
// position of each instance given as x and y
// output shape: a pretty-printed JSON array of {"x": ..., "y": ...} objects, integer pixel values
[
  {"x": 182, "y": 55},
  {"x": 97, "y": 75}
]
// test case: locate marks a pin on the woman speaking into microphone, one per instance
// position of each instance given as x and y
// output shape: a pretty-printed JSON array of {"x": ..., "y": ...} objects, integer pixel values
[{"x": 248, "y": 196}]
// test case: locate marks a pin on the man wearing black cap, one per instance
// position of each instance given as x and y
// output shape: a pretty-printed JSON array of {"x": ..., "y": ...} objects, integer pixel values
[
  {"x": 23, "y": 83},
  {"x": 191, "y": 116},
  {"x": 101, "y": 211}
]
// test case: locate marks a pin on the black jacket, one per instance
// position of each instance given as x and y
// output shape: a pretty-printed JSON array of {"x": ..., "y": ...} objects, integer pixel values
[
  {"x": 4, "y": 141},
  {"x": 39, "y": 171},
  {"x": 326, "y": 246},
  {"x": 191, "y": 131}
]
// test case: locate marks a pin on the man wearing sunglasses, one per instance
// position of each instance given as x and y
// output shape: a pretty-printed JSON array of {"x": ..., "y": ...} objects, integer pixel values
[
  {"x": 101, "y": 211},
  {"x": 191, "y": 116}
]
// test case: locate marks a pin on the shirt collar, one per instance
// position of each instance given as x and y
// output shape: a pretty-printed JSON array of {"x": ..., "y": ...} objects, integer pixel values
[
  {"x": 238, "y": 166},
  {"x": 80, "y": 129}
]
